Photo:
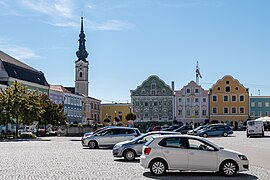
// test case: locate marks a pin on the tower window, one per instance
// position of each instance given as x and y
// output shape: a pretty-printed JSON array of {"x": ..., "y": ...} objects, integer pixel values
[{"x": 80, "y": 74}]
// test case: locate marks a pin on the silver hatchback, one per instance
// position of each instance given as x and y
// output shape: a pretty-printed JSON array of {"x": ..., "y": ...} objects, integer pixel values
[
  {"x": 133, "y": 148},
  {"x": 109, "y": 137}
]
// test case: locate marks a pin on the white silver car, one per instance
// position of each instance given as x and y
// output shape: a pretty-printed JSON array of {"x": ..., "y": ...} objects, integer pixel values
[
  {"x": 190, "y": 153},
  {"x": 109, "y": 137}
]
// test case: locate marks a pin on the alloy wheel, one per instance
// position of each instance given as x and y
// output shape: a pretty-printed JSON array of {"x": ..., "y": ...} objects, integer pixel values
[
  {"x": 129, "y": 155},
  {"x": 158, "y": 168},
  {"x": 229, "y": 168}
]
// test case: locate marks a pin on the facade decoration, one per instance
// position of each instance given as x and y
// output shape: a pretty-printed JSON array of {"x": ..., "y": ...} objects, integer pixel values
[
  {"x": 192, "y": 104},
  {"x": 229, "y": 102},
  {"x": 153, "y": 102}
]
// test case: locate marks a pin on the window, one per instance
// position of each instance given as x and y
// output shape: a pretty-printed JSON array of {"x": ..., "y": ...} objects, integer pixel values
[
  {"x": 188, "y": 100},
  {"x": 218, "y": 88},
  {"x": 155, "y": 103},
  {"x": 260, "y": 113},
  {"x": 196, "y": 100},
  {"x": 266, "y": 104},
  {"x": 145, "y": 104},
  {"x": 259, "y": 104},
  {"x": 227, "y": 82},
  {"x": 188, "y": 90},
  {"x": 196, "y": 112},
  {"x": 180, "y": 112},
  {"x": 153, "y": 86},
  {"x": 174, "y": 142},
  {"x": 228, "y": 89},
  {"x": 153, "y": 92},
  {"x": 266, "y": 113},
  {"x": 252, "y": 113},
  {"x": 225, "y": 98},
  {"x": 180, "y": 100},
  {"x": 196, "y": 90},
  {"x": 236, "y": 88},
  {"x": 242, "y": 110},
  {"x": 214, "y": 110},
  {"x": 198, "y": 145},
  {"x": 233, "y": 110},
  {"x": 188, "y": 112},
  {"x": 252, "y": 104},
  {"x": 204, "y": 99},
  {"x": 214, "y": 98},
  {"x": 80, "y": 74},
  {"x": 226, "y": 111},
  {"x": 242, "y": 98},
  {"x": 233, "y": 98},
  {"x": 204, "y": 112}
]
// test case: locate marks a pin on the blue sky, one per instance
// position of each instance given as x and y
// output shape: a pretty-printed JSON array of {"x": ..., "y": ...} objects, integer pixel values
[{"x": 128, "y": 41}]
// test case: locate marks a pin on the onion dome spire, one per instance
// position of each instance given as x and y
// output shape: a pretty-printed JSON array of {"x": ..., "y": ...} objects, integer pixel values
[{"x": 82, "y": 54}]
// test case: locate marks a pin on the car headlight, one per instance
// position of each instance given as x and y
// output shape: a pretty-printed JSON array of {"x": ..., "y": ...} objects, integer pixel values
[
  {"x": 242, "y": 157},
  {"x": 117, "y": 146}
]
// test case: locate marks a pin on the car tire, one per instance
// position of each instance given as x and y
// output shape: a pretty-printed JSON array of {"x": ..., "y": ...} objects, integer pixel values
[
  {"x": 158, "y": 167},
  {"x": 93, "y": 145},
  {"x": 225, "y": 134},
  {"x": 205, "y": 135},
  {"x": 228, "y": 168},
  {"x": 129, "y": 155}
]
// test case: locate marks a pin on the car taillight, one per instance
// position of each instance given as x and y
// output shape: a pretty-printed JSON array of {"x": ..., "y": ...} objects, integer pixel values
[{"x": 147, "y": 150}]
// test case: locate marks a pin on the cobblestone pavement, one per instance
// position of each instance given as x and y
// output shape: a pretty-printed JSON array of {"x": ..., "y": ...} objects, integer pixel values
[{"x": 65, "y": 158}]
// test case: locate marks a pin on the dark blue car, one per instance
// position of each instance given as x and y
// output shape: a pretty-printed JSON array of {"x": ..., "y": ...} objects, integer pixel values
[{"x": 216, "y": 130}]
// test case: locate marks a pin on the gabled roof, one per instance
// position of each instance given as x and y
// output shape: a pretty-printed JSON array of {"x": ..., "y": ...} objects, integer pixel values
[
  {"x": 7, "y": 58},
  {"x": 18, "y": 70},
  {"x": 25, "y": 74},
  {"x": 59, "y": 88}
]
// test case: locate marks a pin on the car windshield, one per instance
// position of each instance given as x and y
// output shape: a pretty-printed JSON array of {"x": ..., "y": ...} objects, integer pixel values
[{"x": 138, "y": 138}]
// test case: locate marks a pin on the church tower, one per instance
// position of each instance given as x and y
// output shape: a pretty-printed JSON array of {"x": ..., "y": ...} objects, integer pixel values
[{"x": 81, "y": 65}]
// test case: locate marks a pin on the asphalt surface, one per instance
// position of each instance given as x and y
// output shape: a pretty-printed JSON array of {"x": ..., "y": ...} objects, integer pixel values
[{"x": 65, "y": 158}]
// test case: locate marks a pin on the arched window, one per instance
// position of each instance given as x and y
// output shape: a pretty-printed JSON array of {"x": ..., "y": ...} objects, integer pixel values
[{"x": 80, "y": 74}]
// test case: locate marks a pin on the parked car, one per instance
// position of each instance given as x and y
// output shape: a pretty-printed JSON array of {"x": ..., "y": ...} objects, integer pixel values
[
  {"x": 109, "y": 137},
  {"x": 216, "y": 130},
  {"x": 190, "y": 153},
  {"x": 157, "y": 128},
  {"x": 195, "y": 131},
  {"x": 100, "y": 129},
  {"x": 255, "y": 127},
  {"x": 171, "y": 128},
  {"x": 183, "y": 129},
  {"x": 133, "y": 148}
]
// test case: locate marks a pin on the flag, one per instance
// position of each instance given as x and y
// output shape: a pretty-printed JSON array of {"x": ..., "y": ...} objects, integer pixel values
[{"x": 198, "y": 74}]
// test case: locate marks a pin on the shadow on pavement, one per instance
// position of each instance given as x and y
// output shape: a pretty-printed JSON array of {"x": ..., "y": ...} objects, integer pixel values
[
  {"x": 126, "y": 161},
  {"x": 98, "y": 149},
  {"x": 259, "y": 137},
  {"x": 199, "y": 176}
]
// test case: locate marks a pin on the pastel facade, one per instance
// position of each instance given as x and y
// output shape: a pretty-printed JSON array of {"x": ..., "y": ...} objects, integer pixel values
[
  {"x": 229, "y": 101},
  {"x": 192, "y": 105},
  {"x": 153, "y": 102},
  {"x": 259, "y": 106},
  {"x": 56, "y": 94},
  {"x": 112, "y": 110}
]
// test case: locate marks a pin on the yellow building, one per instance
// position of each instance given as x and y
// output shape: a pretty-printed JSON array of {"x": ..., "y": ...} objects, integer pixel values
[
  {"x": 229, "y": 102},
  {"x": 119, "y": 110}
]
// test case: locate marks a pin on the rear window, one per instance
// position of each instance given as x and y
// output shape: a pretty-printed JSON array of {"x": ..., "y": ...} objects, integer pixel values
[
  {"x": 251, "y": 123},
  {"x": 149, "y": 141}
]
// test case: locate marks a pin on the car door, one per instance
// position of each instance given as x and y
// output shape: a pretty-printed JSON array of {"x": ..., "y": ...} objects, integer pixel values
[
  {"x": 201, "y": 156},
  {"x": 175, "y": 152},
  {"x": 104, "y": 138}
]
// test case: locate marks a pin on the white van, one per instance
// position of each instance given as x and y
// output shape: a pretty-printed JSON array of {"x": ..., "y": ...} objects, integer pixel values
[{"x": 255, "y": 127}]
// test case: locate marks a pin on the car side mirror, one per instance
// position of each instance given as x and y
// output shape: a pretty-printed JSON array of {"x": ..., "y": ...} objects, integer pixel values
[{"x": 141, "y": 141}]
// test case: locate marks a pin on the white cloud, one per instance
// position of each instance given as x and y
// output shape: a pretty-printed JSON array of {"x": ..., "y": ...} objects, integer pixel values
[
  {"x": 109, "y": 25},
  {"x": 64, "y": 24},
  {"x": 56, "y": 8},
  {"x": 19, "y": 52}
]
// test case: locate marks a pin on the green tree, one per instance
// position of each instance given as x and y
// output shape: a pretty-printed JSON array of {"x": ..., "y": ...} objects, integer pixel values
[
  {"x": 131, "y": 116},
  {"x": 52, "y": 113},
  {"x": 18, "y": 104}
]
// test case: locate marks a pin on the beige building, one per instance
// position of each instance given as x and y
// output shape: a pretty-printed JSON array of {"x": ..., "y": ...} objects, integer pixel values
[
  {"x": 229, "y": 101},
  {"x": 119, "y": 110},
  {"x": 91, "y": 110}
]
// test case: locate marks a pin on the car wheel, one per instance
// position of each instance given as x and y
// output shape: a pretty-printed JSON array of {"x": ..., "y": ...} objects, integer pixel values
[
  {"x": 93, "y": 145},
  {"x": 158, "y": 167},
  {"x": 129, "y": 155},
  {"x": 228, "y": 168},
  {"x": 225, "y": 134},
  {"x": 205, "y": 135}
]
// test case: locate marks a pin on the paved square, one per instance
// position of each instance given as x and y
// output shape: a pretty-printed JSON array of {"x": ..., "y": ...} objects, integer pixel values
[{"x": 65, "y": 158}]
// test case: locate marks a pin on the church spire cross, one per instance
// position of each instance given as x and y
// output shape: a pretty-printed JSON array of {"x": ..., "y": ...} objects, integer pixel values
[{"x": 82, "y": 54}]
